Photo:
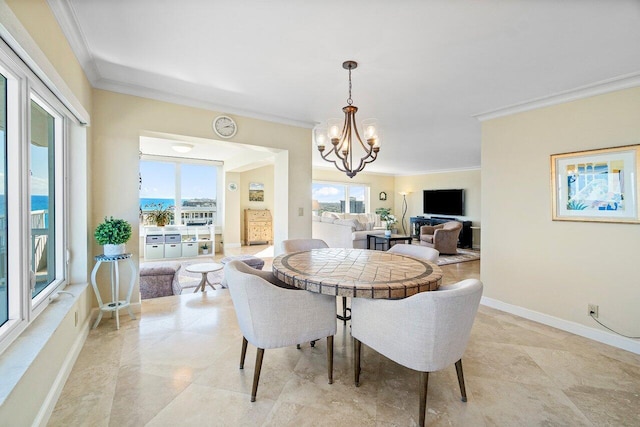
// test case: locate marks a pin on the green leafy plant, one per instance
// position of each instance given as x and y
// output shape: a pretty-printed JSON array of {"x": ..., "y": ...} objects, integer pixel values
[
  {"x": 159, "y": 214},
  {"x": 385, "y": 215},
  {"x": 391, "y": 220},
  {"x": 204, "y": 247},
  {"x": 113, "y": 231}
]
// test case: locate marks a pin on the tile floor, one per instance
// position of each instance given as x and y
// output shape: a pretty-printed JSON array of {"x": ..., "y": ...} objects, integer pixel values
[{"x": 178, "y": 366}]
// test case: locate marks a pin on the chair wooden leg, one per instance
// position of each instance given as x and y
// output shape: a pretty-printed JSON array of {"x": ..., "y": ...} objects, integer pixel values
[
  {"x": 424, "y": 383},
  {"x": 461, "y": 380},
  {"x": 243, "y": 353},
  {"x": 330, "y": 358},
  {"x": 256, "y": 373},
  {"x": 356, "y": 361}
]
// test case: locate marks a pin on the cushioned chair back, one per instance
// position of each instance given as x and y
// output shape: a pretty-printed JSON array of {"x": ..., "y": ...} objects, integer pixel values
[
  {"x": 426, "y": 332},
  {"x": 452, "y": 225},
  {"x": 416, "y": 251},
  {"x": 298, "y": 245},
  {"x": 270, "y": 316}
]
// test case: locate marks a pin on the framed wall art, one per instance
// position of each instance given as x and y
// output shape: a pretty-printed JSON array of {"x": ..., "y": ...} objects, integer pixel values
[
  {"x": 596, "y": 185},
  {"x": 256, "y": 192}
]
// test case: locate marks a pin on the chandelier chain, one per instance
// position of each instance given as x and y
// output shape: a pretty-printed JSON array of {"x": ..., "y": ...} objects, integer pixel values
[{"x": 349, "y": 100}]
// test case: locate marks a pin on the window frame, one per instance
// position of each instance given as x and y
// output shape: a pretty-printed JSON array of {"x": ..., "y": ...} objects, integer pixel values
[
  {"x": 23, "y": 86},
  {"x": 347, "y": 185},
  {"x": 178, "y": 162}
]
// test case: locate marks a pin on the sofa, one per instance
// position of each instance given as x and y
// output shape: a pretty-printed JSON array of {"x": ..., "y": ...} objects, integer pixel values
[
  {"x": 341, "y": 230},
  {"x": 442, "y": 237},
  {"x": 156, "y": 278}
]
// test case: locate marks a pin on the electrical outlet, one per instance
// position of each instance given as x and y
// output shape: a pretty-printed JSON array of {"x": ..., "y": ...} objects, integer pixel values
[{"x": 593, "y": 310}]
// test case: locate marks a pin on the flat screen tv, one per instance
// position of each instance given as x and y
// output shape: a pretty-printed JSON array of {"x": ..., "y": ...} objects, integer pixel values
[{"x": 443, "y": 202}]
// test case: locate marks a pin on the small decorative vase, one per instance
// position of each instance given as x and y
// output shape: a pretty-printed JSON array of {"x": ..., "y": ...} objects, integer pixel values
[
  {"x": 113, "y": 250},
  {"x": 387, "y": 233}
]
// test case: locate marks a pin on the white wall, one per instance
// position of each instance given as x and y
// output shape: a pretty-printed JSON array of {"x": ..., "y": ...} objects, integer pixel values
[{"x": 552, "y": 267}]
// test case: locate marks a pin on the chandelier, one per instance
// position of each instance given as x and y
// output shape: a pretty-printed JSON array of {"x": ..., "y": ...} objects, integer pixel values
[{"x": 345, "y": 139}]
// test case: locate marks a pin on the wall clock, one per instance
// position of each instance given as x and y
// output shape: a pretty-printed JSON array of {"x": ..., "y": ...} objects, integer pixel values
[
  {"x": 383, "y": 195},
  {"x": 232, "y": 186},
  {"x": 224, "y": 126}
]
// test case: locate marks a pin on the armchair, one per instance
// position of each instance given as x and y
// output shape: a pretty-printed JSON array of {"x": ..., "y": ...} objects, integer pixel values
[
  {"x": 271, "y": 316},
  {"x": 426, "y": 332},
  {"x": 442, "y": 237}
]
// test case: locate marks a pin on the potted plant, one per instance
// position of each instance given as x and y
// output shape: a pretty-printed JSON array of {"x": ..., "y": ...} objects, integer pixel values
[
  {"x": 113, "y": 233},
  {"x": 390, "y": 220},
  {"x": 159, "y": 214},
  {"x": 205, "y": 248}
]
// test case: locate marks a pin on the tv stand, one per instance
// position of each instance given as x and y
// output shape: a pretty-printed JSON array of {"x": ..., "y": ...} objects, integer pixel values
[{"x": 464, "y": 241}]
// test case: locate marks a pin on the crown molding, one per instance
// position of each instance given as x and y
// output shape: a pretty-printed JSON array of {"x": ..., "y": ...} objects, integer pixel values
[
  {"x": 431, "y": 172},
  {"x": 20, "y": 41},
  {"x": 598, "y": 88},
  {"x": 145, "y": 92},
  {"x": 68, "y": 22}
]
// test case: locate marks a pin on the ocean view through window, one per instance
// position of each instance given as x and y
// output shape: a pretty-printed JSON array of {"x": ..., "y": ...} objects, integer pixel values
[
  {"x": 33, "y": 204},
  {"x": 193, "y": 184}
]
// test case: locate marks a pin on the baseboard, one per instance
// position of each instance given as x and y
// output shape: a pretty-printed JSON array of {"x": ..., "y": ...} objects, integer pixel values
[
  {"x": 565, "y": 325},
  {"x": 49, "y": 404}
]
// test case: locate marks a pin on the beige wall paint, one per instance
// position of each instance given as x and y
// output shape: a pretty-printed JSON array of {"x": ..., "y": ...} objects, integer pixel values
[
  {"x": 376, "y": 182},
  {"x": 27, "y": 398},
  {"x": 263, "y": 175},
  {"x": 232, "y": 209},
  {"x": 118, "y": 121},
  {"x": 469, "y": 180},
  {"x": 554, "y": 267},
  {"x": 38, "y": 20}
]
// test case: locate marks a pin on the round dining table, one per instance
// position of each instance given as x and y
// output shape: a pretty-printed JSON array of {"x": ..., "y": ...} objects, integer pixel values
[{"x": 357, "y": 273}]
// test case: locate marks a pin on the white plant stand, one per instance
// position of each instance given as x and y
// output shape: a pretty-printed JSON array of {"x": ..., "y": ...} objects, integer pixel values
[{"x": 115, "y": 304}]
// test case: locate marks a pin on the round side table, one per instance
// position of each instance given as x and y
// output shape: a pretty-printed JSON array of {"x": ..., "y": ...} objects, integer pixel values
[
  {"x": 115, "y": 304},
  {"x": 204, "y": 268}
]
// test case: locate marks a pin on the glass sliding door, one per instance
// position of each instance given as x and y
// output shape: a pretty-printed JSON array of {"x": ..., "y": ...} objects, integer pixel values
[{"x": 42, "y": 195}]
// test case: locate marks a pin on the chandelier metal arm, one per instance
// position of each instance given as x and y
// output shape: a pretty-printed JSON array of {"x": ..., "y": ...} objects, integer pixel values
[{"x": 343, "y": 143}]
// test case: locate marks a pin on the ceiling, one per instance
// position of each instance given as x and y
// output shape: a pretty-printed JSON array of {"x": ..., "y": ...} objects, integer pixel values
[{"x": 425, "y": 67}]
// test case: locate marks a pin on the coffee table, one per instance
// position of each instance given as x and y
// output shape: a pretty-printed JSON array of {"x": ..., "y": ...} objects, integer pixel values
[
  {"x": 204, "y": 269},
  {"x": 382, "y": 240}
]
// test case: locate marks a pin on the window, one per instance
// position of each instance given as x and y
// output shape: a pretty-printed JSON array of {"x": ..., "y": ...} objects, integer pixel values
[
  {"x": 333, "y": 197},
  {"x": 32, "y": 196},
  {"x": 194, "y": 184},
  {"x": 4, "y": 295}
]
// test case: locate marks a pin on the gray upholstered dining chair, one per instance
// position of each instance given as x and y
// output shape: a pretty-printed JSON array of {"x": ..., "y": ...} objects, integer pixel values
[
  {"x": 298, "y": 245},
  {"x": 426, "y": 332},
  {"x": 273, "y": 315},
  {"x": 415, "y": 251}
]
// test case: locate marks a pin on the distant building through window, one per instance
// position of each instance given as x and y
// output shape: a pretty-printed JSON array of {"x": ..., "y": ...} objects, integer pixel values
[
  {"x": 333, "y": 197},
  {"x": 165, "y": 182}
]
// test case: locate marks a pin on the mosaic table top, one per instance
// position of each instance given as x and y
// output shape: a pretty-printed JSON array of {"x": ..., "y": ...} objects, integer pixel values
[{"x": 357, "y": 273}]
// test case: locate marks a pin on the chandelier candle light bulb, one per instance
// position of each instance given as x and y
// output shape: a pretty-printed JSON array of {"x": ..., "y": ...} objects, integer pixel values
[{"x": 341, "y": 134}]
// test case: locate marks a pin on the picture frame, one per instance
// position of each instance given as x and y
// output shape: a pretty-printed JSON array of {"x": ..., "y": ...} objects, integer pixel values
[
  {"x": 597, "y": 185},
  {"x": 256, "y": 192},
  {"x": 382, "y": 195}
]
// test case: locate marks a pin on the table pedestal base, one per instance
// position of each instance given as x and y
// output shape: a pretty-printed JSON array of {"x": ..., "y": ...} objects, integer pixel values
[{"x": 203, "y": 284}]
